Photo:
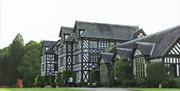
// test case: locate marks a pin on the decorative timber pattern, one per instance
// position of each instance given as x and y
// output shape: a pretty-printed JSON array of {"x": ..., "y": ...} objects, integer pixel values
[
  {"x": 139, "y": 65},
  {"x": 79, "y": 47},
  {"x": 49, "y": 64},
  {"x": 162, "y": 47}
]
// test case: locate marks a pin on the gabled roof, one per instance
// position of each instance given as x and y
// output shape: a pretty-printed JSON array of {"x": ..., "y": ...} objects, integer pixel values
[
  {"x": 65, "y": 30},
  {"x": 48, "y": 43},
  {"x": 106, "y": 31},
  {"x": 163, "y": 41},
  {"x": 136, "y": 33},
  {"x": 71, "y": 37},
  {"x": 124, "y": 52},
  {"x": 50, "y": 51},
  {"x": 107, "y": 57},
  {"x": 57, "y": 43},
  {"x": 145, "y": 48}
]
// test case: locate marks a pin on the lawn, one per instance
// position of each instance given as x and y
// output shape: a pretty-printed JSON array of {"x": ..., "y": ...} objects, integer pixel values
[
  {"x": 155, "y": 89},
  {"x": 41, "y": 89}
]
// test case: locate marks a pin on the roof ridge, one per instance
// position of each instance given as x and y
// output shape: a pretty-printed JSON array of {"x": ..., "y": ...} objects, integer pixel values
[
  {"x": 170, "y": 46},
  {"x": 67, "y": 27},
  {"x": 48, "y": 41},
  {"x": 135, "y": 26},
  {"x": 164, "y": 30}
]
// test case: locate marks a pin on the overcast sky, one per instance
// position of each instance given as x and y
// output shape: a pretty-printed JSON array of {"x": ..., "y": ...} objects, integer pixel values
[{"x": 41, "y": 19}]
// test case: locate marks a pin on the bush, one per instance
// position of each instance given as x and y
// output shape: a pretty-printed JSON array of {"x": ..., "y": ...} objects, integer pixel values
[
  {"x": 111, "y": 83},
  {"x": 50, "y": 80},
  {"x": 171, "y": 83},
  {"x": 156, "y": 73},
  {"x": 62, "y": 76},
  {"x": 141, "y": 83},
  {"x": 39, "y": 81},
  {"x": 119, "y": 69},
  {"x": 59, "y": 81},
  {"x": 123, "y": 72},
  {"x": 128, "y": 83},
  {"x": 95, "y": 75},
  {"x": 125, "y": 83}
]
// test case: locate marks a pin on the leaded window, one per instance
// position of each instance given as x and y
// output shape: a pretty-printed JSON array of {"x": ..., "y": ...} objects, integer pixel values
[
  {"x": 46, "y": 48},
  {"x": 139, "y": 67},
  {"x": 61, "y": 61},
  {"x": 77, "y": 58},
  {"x": 140, "y": 35},
  {"x": 93, "y": 57},
  {"x": 66, "y": 36},
  {"x": 64, "y": 60},
  {"x": 81, "y": 31},
  {"x": 103, "y": 44},
  {"x": 93, "y": 44},
  {"x": 111, "y": 44},
  {"x": 139, "y": 64}
]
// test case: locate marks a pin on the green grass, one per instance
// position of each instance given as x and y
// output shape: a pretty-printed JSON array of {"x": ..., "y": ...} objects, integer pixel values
[
  {"x": 155, "y": 89},
  {"x": 41, "y": 89}
]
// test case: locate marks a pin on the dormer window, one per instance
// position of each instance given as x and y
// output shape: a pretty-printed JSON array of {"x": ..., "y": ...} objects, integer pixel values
[
  {"x": 46, "y": 48},
  {"x": 81, "y": 31},
  {"x": 66, "y": 36},
  {"x": 140, "y": 35}
]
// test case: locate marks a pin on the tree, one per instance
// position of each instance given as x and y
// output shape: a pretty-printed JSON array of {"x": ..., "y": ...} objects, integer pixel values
[
  {"x": 123, "y": 72},
  {"x": 119, "y": 68},
  {"x": 16, "y": 52},
  {"x": 17, "y": 61},
  {"x": 4, "y": 59},
  {"x": 156, "y": 73},
  {"x": 30, "y": 65}
]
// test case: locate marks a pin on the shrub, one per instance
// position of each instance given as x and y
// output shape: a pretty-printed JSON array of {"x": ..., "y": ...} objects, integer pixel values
[
  {"x": 95, "y": 75},
  {"x": 39, "y": 81},
  {"x": 59, "y": 81},
  {"x": 50, "y": 80},
  {"x": 120, "y": 69},
  {"x": 128, "y": 83},
  {"x": 125, "y": 83},
  {"x": 62, "y": 76},
  {"x": 156, "y": 73},
  {"x": 171, "y": 83},
  {"x": 111, "y": 83},
  {"x": 141, "y": 83},
  {"x": 123, "y": 73}
]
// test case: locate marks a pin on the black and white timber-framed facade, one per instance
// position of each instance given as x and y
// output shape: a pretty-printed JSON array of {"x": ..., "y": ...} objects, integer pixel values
[
  {"x": 82, "y": 49},
  {"x": 79, "y": 47},
  {"x": 48, "y": 59},
  {"x": 162, "y": 47}
]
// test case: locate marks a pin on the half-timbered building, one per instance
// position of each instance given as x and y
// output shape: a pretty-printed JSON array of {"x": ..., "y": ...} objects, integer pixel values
[
  {"x": 162, "y": 47},
  {"x": 48, "y": 59},
  {"x": 92, "y": 39},
  {"x": 65, "y": 50},
  {"x": 79, "y": 47}
]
